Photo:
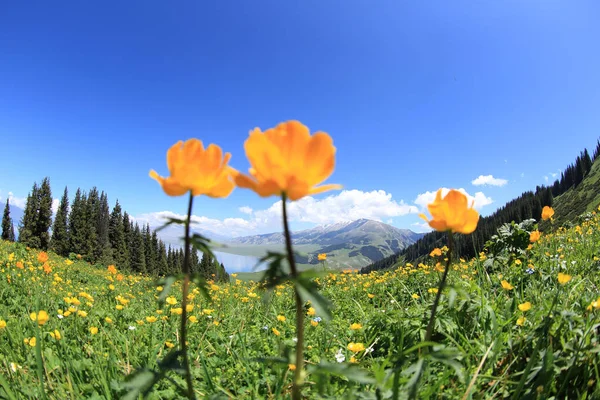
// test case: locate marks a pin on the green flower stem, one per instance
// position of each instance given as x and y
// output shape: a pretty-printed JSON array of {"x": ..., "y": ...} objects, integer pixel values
[
  {"x": 185, "y": 288},
  {"x": 296, "y": 386},
  {"x": 438, "y": 295}
]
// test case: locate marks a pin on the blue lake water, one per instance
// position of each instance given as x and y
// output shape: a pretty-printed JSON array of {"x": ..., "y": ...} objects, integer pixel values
[{"x": 236, "y": 263}]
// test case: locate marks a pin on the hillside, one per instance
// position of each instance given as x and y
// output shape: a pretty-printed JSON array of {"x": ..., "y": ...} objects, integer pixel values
[
  {"x": 347, "y": 244},
  {"x": 584, "y": 197},
  {"x": 576, "y": 192}
]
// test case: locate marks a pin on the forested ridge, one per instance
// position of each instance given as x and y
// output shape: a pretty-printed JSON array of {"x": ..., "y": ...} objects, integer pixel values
[{"x": 90, "y": 230}]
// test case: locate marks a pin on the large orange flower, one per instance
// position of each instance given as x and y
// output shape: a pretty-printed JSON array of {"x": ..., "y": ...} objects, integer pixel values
[
  {"x": 452, "y": 213},
  {"x": 287, "y": 159},
  {"x": 547, "y": 213},
  {"x": 194, "y": 168}
]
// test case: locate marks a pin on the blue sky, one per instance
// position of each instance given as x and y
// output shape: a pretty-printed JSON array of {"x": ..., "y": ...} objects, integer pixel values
[{"x": 416, "y": 96}]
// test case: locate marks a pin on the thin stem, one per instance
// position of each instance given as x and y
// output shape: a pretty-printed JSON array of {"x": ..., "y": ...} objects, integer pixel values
[
  {"x": 296, "y": 386},
  {"x": 185, "y": 288},
  {"x": 441, "y": 286}
]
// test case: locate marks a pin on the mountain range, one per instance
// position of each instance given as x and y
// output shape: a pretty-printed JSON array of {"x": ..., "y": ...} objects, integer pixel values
[{"x": 347, "y": 244}]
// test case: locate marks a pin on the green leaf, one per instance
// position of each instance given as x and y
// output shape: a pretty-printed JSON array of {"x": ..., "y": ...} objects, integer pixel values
[
  {"x": 171, "y": 362},
  {"x": 307, "y": 289},
  {"x": 171, "y": 221},
  {"x": 202, "y": 243},
  {"x": 275, "y": 273},
  {"x": 351, "y": 372},
  {"x": 139, "y": 383}
]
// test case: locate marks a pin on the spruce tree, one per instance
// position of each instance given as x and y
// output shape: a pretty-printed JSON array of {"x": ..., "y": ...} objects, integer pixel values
[
  {"x": 59, "y": 243},
  {"x": 78, "y": 224},
  {"x": 92, "y": 211},
  {"x": 28, "y": 225},
  {"x": 44, "y": 214},
  {"x": 162, "y": 260},
  {"x": 7, "y": 224},
  {"x": 103, "y": 252},
  {"x": 138, "y": 256},
  {"x": 149, "y": 250},
  {"x": 116, "y": 236}
]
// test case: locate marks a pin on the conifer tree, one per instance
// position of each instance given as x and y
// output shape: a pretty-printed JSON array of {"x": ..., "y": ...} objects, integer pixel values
[
  {"x": 8, "y": 232},
  {"x": 162, "y": 260},
  {"x": 92, "y": 211},
  {"x": 137, "y": 250},
  {"x": 103, "y": 251},
  {"x": 28, "y": 225},
  {"x": 116, "y": 236},
  {"x": 78, "y": 224},
  {"x": 59, "y": 243},
  {"x": 44, "y": 214}
]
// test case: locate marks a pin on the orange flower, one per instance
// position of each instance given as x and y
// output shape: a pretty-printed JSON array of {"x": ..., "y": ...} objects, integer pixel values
[
  {"x": 322, "y": 257},
  {"x": 42, "y": 256},
  {"x": 193, "y": 168},
  {"x": 452, "y": 213},
  {"x": 286, "y": 159},
  {"x": 547, "y": 213},
  {"x": 534, "y": 236}
]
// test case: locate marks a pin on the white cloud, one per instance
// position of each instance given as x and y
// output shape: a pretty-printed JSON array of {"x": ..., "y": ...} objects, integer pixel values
[
  {"x": 480, "y": 199},
  {"x": 55, "y": 203},
  {"x": 227, "y": 226},
  {"x": 246, "y": 210},
  {"x": 348, "y": 205},
  {"x": 546, "y": 178},
  {"x": 488, "y": 180},
  {"x": 522, "y": 174},
  {"x": 554, "y": 174},
  {"x": 14, "y": 201}
]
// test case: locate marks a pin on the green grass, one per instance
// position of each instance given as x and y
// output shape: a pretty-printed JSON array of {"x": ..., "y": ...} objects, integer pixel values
[
  {"x": 578, "y": 200},
  {"x": 553, "y": 353}
]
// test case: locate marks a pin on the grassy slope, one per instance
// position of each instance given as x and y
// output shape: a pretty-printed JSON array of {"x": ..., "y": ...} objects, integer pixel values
[{"x": 583, "y": 198}]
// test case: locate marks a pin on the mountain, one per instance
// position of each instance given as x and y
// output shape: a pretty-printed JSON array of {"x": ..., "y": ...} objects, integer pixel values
[{"x": 347, "y": 244}]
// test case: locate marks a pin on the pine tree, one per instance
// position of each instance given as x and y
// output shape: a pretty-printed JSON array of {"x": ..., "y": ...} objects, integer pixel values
[
  {"x": 597, "y": 151},
  {"x": 92, "y": 211},
  {"x": 8, "y": 232},
  {"x": 59, "y": 243},
  {"x": 137, "y": 251},
  {"x": 29, "y": 221},
  {"x": 78, "y": 224},
  {"x": 44, "y": 214},
  {"x": 162, "y": 260},
  {"x": 116, "y": 237},
  {"x": 149, "y": 250},
  {"x": 103, "y": 251},
  {"x": 586, "y": 161}
]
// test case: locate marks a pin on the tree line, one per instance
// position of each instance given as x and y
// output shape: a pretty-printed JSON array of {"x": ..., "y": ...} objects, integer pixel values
[
  {"x": 90, "y": 230},
  {"x": 528, "y": 205}
]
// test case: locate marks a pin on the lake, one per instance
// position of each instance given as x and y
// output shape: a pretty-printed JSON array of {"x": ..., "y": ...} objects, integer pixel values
[{"x": 236, "y": 263}]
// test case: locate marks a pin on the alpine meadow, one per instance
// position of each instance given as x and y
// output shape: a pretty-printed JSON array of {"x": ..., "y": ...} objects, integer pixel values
[{"x": 300, "y": 200}]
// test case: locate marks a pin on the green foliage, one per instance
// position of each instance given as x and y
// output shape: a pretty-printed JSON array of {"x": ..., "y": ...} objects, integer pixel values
[
  {"x": 8, "y": 229},
  {"x": 59, "y": 243},
  {"x": 509, "y": 244}
]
